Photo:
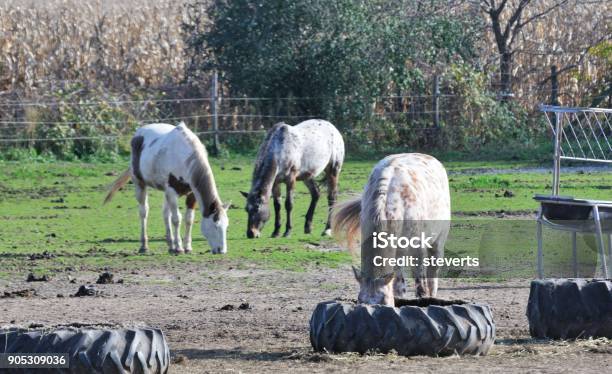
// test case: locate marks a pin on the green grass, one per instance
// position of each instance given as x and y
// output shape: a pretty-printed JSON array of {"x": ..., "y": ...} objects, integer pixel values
[{"x": 57, "y": 207}]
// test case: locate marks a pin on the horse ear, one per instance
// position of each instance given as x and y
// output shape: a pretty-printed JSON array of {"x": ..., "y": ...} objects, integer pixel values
[
  {"x": 388, "y": 278},
  {"x": 213, "y": 208},
  {"x": 357, "y": 273},
  {"x": 245, "y": 194}
]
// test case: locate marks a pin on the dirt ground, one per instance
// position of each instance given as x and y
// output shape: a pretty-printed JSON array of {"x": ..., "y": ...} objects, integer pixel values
[{"x": 272, "y": 334}]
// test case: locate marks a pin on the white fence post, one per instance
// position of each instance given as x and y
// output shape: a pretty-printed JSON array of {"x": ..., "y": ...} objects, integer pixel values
[{"x": 215, "y": 117}]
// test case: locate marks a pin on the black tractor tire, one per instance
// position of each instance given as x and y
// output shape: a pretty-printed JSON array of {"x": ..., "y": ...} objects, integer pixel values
[
  {"x": 570, "y": 308},
  {"x": 107, "y": 351},
  {"x": 430, "y": 327}
]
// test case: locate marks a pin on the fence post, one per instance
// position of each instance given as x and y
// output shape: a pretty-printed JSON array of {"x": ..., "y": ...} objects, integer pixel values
[
  {"x": 554, "y": 94},
  {"x": 554, "y": 86},
  {"x": 436, "y": 111},
  {"x": 215, "y": 119},
  {"x": 436, "y": 101},
  {"x": 198, "y": 112},
  {"x": 557, "y": 160},
  {"x": 289, "y": 105},
  {"x": 278, "y": 108},
  {"x": 247, "y": 111}
]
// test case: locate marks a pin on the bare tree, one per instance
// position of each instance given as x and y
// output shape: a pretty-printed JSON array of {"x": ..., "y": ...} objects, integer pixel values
[{"x": 507, "y": 20}]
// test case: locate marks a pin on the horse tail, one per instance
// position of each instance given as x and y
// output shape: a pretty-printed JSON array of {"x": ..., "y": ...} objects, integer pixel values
[
  {"x": 345, "y": 221},
  {"x": 117, "y": 184}
]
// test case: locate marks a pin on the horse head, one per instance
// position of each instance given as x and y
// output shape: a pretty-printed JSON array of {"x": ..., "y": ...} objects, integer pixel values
[
  {"x": 258, "y": 210},
  {"x": 214, "y": 227},
  {"x": 375, "y": 290}
]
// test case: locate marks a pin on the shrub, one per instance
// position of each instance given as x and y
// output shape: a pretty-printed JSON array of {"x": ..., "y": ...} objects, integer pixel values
[
  {"x": 481, "y": 119},
  {"x": 80, "y": 122},
  {"x": 338, "y": 57}
]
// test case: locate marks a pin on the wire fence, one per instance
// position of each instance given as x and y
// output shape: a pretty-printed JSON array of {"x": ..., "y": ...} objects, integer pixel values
[
  {"x": 238, "y": 122},
  {"x": 24, "y": 121},
  {"x": 411, "y": 119}
]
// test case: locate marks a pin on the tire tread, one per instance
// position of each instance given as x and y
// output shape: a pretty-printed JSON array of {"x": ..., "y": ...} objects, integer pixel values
[
  {"x": 409, "y": 330},
  {"x": 570, "y": 308},
  {"x": 95, "y": 350}
]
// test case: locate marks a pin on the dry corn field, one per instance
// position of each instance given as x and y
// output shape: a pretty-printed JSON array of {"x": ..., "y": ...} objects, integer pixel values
[
  {"x": 139, "y": 43},
  {"x": 574, "y": 37},
  {"x": 44, "y": 43},
  {"x": 120, "y": 57}
]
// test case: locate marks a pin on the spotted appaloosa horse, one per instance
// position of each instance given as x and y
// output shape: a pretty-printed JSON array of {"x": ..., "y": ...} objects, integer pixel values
[
  {"x": 289, "y": 154},
  {"x": 406, "y": 194},
  {"x": 172, "y": 159}
]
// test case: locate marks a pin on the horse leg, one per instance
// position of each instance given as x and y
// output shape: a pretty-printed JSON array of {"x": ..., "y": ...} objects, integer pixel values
[
  {"x": 289, "y": 204},
  {"x": 189, "y": 217},
  {"x": 419, "y": 274},
  {"x": 314, "y": 194},
  {"x": 175, "y": 215},
  {"x": 332, "y": 194},
  {"x": 421, "y": 285},
  {"x": 143, "y": 202},
  {"x": 276, "y": 196},
  {"x": 166, "y": 214},
  {"x": 437, "y": 251},
  {"x": 400, "y": 291}
]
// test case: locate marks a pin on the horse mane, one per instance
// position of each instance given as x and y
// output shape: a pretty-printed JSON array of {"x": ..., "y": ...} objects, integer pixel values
[
  {"x": 376, "y": 199},
  {"x": 202, "y": 178},
  {"x": 345, "y": 222},
  {"x": 265, "y": 163},
  {"x": 349, "y": 217}
]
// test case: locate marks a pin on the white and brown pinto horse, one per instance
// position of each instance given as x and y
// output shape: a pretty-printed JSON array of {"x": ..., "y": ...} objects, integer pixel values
[
  {"x": 172, "y": 159},
  {"x": 289, "y": 154},
  {"x": 406, "y": 194}
]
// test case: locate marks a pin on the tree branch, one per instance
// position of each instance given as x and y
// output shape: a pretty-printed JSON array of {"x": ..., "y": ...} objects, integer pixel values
[
  {"x": 510, "y": 25},
  {"x": 542, "y": 14},
  {"x": 583, "y": 55},
  {"x": 501, "y": 6}
]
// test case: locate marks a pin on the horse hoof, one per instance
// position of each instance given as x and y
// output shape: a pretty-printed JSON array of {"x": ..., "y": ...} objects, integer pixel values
[
  {"x": 307, "y": 230},
  {"x": 275, "y": 234},
  {"x": 287, "y": 234},
  {"x": 327, "y": 232},
  {"x": 143, "y": 250},
  {"x": 188, "y": 250}
]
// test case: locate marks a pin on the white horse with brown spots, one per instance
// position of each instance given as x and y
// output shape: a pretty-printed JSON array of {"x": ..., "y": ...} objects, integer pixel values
[
  {"x": 289, "y": 154},
  {"x": 406, "y": 194},
  {"x": 172, "y": 159}
]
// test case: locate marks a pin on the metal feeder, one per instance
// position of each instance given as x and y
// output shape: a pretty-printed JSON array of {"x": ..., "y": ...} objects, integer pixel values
[{"x": 580, "y": 134}]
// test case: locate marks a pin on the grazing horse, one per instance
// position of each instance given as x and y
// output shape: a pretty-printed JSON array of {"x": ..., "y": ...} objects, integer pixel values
[
  {"x": 172, "y": 159},
  {"x": 406, "y": 194},
  {"x": 289, "y": 154}
]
